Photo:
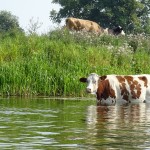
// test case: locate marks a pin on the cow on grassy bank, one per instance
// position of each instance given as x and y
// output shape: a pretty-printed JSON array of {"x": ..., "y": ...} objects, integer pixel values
[
  {"x": 122, "y": 89},
  {"x": 82, "y": 25}
]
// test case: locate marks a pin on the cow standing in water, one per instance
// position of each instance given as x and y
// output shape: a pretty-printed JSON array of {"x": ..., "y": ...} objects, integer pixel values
[{"x": 122, "y": 89}]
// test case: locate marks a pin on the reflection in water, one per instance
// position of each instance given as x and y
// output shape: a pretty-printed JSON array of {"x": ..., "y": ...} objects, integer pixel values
[{"x": 114, "y": 126}]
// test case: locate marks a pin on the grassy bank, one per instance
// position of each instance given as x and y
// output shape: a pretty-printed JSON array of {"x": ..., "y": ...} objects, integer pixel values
[{"x": 52, "y": 64}]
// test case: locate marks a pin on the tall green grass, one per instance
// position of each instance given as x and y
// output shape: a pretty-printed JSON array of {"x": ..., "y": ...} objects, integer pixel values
[{"x": 52, "y": 64}]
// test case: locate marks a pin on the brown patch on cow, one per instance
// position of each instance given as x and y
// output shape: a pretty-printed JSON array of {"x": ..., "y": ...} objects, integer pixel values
[
  {"x": 129, "y": 79},
  {"x": 123, "y": 89},
  {"x": 105, "y": 90},
  {"x": 135, "y": 89},
  {"x": 144, "y": 79},
  {"x": 120, "y": 79},
  {"x": 103, "y": 77},
  {"x": 134, "y": 86},
  {"x": 124, "y": 92}
]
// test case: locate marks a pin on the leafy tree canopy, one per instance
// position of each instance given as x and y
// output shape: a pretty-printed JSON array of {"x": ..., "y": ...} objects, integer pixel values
[
  {"x": 132, "y": 15},
  {"x": 8, "y": 22}
]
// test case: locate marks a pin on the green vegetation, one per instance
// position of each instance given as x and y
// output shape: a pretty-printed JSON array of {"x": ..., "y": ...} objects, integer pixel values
[
  {"x": 9, "y": 23},
  {"x": 52, "y": 64}
]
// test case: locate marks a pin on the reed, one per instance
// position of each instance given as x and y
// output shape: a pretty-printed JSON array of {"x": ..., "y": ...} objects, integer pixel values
[{"x": 51, "y": 64}]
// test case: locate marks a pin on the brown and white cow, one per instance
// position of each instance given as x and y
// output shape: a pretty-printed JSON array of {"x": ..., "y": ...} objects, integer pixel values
[
  {"x": 81, "y": 24},
  {"x": 123, "y": 89}
]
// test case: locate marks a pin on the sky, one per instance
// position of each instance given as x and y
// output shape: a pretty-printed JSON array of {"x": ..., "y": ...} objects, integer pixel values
[{"x": 37, "y": 10}]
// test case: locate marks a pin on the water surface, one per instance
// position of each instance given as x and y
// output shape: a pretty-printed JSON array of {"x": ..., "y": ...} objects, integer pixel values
[{"x": 72, "y": 124}]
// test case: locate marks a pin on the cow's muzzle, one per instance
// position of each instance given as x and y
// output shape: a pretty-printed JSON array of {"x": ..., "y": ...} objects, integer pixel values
[{"x": 88, "y": 90}]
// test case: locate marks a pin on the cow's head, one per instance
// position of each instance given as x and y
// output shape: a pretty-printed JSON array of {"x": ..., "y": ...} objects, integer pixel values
[{"x": 92, "y": 83}]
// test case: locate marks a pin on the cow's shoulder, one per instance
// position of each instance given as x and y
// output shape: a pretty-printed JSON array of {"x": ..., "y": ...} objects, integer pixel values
[{"x": 105, "y": 90}]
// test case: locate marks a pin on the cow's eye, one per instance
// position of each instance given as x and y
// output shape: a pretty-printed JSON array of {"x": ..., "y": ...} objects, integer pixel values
[{"x": 94, "y": 82}]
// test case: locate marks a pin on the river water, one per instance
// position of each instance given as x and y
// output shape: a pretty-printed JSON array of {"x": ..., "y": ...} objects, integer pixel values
[{"x": 72, "y": 124}]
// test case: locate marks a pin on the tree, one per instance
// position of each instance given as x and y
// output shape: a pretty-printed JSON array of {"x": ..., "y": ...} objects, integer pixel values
[
  {"x": 145, "y": 18},
  {"x": 8, "y": 22},
  {"x": 132, "y": 15},
  {"x": 34, "y": 26}
]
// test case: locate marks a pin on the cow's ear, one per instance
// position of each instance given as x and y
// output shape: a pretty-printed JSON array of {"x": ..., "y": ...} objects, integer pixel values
[{"x": 83, "y": 79}]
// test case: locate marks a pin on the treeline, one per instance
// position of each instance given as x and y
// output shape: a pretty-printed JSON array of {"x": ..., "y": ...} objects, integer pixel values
[{"x": 132, "y": 15}]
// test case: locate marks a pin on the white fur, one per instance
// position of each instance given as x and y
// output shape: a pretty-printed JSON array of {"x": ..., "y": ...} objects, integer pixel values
[
  {"x": 122, "y": 33},
  {"x": 92, "y": 83}
]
